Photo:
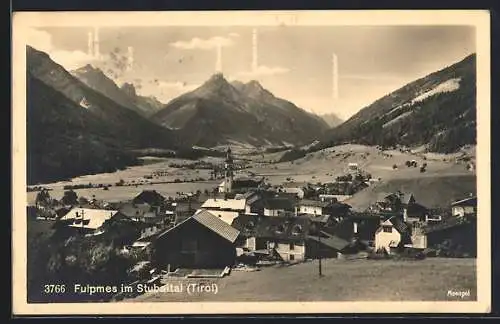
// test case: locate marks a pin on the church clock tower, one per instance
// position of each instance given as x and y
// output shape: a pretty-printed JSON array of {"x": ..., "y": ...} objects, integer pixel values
[{"x": 228, "y": 171}]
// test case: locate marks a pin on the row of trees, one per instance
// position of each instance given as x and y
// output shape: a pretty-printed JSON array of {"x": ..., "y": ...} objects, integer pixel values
[{"x": 69, "y": 198}]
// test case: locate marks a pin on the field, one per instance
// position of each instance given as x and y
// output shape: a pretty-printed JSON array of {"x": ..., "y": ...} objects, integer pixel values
[
  {"x": 329, "y": 163},
  {"x": 322, "y": 166},
  {"x": 436, "y": 191},
  {"x": 359, "y": 280}
]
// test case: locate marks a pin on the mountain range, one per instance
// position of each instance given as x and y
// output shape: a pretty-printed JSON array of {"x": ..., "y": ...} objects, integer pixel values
[
  {"x": 125, "y": 95},
  {"x": 332, "y": 119},
  {"x": 74, "y": 130},
  {"x": 82, "y": 122},
  {"x": 437, "y": 111},
  {"x": 220, "y": 112}
]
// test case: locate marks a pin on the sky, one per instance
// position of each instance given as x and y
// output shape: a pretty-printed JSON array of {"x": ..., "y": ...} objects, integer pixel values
[{"x": 293, "y": 62}]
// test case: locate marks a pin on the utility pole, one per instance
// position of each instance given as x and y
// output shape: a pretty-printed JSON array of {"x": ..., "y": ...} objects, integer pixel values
[{"x": 319, "y": 254}]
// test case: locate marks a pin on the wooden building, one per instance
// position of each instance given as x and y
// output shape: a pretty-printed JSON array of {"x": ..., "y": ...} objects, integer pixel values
[{"x": 200, "y": 241}]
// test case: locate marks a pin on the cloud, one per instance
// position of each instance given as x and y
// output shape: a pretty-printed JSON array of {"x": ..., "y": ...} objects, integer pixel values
[
  {"x": 205, "y": 44},
  {"x": 69, "y": 59},
  {"x": 263, "y": 70}
]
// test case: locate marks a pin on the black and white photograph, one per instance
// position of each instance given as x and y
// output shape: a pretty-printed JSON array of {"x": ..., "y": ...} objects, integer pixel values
[{"x": 254, "y": 161}]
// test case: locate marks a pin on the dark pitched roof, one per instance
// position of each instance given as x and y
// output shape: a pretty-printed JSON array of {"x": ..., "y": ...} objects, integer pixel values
[
  {"x": 149, "y": 196},
  {"x": 245, "y": 182},
  {"x": 367, "y": 227},
  {"x": 319, "y": 219},
  {"x": 449, "y": 223},
  {"x": 185, "y": 206},
  {"x": 417, "y": 209},
  {"x": 331, "y": 241},
  {"x": 278, "y": 203},
  {"x": 325, "y": 204},
  {"x": 273, "y": 227},
  {"x": 315, "y": 203},
  {"x": 134, "y": 210},
  {"x": 399, "y": 224}
]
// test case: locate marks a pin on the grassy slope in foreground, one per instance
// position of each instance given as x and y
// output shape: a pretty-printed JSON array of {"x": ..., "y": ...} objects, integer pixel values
[{"x": 361, "y": 280}]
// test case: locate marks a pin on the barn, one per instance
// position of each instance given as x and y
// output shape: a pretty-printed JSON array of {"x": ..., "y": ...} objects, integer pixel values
[{"x": 202, "y": 241}]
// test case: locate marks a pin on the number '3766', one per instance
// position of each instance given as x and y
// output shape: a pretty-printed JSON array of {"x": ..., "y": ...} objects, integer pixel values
[{"x": 54, "y": 289}]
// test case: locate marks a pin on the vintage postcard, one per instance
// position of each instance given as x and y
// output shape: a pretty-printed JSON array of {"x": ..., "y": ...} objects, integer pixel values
[{"x": 251, "y": 162}]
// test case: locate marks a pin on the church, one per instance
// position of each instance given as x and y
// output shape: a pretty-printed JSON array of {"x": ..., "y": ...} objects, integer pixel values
[{"x": 232, "y": 185}]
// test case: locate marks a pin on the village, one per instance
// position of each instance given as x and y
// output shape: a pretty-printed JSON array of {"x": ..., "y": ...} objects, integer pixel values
[{"x": 246, "y": 224}]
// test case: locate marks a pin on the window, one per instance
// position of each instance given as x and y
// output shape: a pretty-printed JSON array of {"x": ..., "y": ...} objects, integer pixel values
[
  {"x": 280, "y": 229},
  {"x": 292, "y": 246},
  {"x": 292, "y": 257},
  {"x": 297, "y": 229},
  {"x": 387, "y": 229}
]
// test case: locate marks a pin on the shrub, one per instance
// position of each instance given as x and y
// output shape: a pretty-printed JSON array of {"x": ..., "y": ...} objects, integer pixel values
[{"x": 394, "y": 166}]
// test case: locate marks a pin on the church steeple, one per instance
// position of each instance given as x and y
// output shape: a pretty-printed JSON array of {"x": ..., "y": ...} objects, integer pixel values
[{"x": 228, "y": 171}]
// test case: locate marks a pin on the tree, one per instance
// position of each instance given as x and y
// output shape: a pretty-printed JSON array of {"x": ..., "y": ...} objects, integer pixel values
[
  {"x": 43, "y": 198},
  {"x": 69, "y": 198},
  {"x": 82, "y": 200}
]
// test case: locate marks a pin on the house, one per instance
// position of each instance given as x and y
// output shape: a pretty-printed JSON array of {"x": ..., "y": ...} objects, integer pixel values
[
  {"x": 457, "y": 231},
  {"x": 328, "y": 246},
  {"x": 146, "y": 213},
  {"x": 184, "y": 210},
  {"x": 339, "y": 198},
  {"x": 316, "y": 207},
  {"x": 224, "y": 215},
  {"x": 415, "y": 212},
  {"x": 237, "y": 205},
  {"x": 245, "y": 184},
  {"x": 357, "y": 226},
  {"x": 399, "y": 203},
  {"x": 278, "y": 206},
  {"x": 352, "y": 167},
  {"x": 297, "y": 188},
  {"x": 225, "y": 209},
  {"x": 463, "y": 207},
  {"x": 200, "y": 241},
  {"x": 135, "y": 211},
  {"x": 150, "y": 197},
  {"x": 287, "y": 236},
  {"x": 297, "y": 191},
  {"x": 241, "y": 185},
  {"x": 392, "y": 234},
  {"x": 89, "y": 220},
  {"x": 294, "y": 239},
  {"x": 253, "y": 202}
]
